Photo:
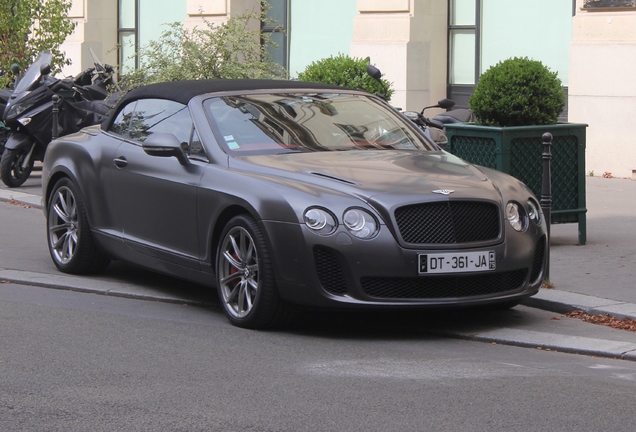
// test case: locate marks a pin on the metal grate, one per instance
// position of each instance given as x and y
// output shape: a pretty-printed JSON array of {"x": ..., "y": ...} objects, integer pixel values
[
  {"x": 526, "y": 164},
  {"x": 329, "y": 271},
  {"x": 448, "y": 222},
  {"x": 479, "y": 151},
  {"x": 444, "y": 286}
]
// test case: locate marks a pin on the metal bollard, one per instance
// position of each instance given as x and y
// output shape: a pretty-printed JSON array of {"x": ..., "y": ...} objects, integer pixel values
[
  {"x": 546, "y": 193},
  {"x": 56, "y": 112}
]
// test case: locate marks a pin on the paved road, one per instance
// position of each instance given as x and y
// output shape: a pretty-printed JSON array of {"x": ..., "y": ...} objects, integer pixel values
[{"x": 76, "y": 362}]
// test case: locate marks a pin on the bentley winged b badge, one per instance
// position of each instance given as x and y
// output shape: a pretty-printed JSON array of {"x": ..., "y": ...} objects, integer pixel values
[{"x": 443, "y": 191}]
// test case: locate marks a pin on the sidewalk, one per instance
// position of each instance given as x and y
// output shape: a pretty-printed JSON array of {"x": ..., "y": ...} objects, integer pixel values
[{"x": 597, "y": 278}]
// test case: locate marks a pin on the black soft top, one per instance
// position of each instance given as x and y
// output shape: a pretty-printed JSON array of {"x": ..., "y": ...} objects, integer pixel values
[{"x": 183, "y": 91}]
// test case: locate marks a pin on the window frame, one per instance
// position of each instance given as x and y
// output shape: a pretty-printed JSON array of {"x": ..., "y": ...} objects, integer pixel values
[{"x": 282, "y": 28}]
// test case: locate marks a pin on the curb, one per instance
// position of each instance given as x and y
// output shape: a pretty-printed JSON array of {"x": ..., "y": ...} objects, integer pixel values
[
  {"x": 564, "y": 302},
  {"x": 550, "y": 300},
  {"x": 21, "y": 197}
]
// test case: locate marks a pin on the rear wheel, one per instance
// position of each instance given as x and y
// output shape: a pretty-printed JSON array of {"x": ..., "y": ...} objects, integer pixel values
[
  {"x": 69, "y": 238},
  {"x": 245, "y": 279},
  {"x": 13, "y": 169}
]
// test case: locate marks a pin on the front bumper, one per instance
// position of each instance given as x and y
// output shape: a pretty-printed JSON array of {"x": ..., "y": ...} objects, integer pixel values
[{"x": 342, "y": 271}]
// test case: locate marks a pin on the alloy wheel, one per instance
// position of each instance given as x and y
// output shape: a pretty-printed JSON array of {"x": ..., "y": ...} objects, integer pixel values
[
  {"x": 238, "y": 272},
  {"x": 63, "y": 225}
]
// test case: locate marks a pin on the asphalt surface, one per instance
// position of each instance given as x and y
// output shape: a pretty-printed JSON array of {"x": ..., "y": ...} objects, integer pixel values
[{"x": 597, "y": 278}]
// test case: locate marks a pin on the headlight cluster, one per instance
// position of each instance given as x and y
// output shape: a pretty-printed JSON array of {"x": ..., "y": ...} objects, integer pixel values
[
  {"x": 16, "y": 110},
  {"x": 520, "y": 216},
  {"x": 358, "y": 222}
]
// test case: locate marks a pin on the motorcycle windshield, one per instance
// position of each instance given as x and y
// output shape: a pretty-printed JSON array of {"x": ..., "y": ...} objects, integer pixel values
[
  {"x": 98, "y": 64},
  {"x": 32, "y": 75}
]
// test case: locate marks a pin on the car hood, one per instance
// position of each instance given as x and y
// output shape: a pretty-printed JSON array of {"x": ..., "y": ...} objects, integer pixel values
[{"x": 389, "y": 176}]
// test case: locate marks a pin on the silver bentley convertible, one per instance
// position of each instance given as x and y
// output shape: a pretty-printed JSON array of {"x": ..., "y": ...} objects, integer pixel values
[{"x": 282, "y": 193}]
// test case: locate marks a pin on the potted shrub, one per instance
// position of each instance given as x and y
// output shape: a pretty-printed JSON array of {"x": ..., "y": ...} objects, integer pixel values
[
  {"x": 515, "y": 102},
  {"x": 346, "y": 71}
]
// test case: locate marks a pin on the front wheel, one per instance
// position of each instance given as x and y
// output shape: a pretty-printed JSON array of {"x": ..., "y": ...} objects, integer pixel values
[
  {"x": 245, "y": 279},
  {"x": 14, "y": 170},
  {"x": 70, "y": 242}
]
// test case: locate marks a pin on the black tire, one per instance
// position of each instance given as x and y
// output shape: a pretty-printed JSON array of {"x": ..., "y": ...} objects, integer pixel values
[
  {"x": 13, "y": 175},
  {"x": 68, "y": 233},
  {"x": 245, "y": 279}
]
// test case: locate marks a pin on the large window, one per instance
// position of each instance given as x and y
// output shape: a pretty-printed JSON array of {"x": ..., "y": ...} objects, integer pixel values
[
  {"x": 141, "y": 21},
  {"x": 276, "y": 26},
  {"x": 482, "y": 33},
  {"x": 463, "y": 41},
  {"x": 127, "y": 34}
]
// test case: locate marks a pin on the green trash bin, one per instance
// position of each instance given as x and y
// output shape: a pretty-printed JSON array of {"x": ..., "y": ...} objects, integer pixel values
[{"x": 518, "y": 151}]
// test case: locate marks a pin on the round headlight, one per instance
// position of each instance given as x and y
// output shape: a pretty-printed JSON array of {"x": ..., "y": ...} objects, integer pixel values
[
  {"x": 534, "y": 213},
  {"x": 360, "y": 223},
  {"x": 319, "y": 221},
  {"x": 514, "y": 216}
]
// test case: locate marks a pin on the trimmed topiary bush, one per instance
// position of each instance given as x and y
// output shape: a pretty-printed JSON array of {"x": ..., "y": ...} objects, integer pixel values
[
  {"x": 517, "y": 92},
  {"x": 345, "y": 71}
]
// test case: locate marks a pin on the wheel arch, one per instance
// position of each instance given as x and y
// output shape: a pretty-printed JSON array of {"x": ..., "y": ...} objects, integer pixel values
[
  {"x": 52, "y": 181},
  {"x": 224, "y": 217}
]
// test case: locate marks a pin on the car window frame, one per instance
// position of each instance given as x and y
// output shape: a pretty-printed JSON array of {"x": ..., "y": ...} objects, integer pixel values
[{"x": 201, "y": 156}]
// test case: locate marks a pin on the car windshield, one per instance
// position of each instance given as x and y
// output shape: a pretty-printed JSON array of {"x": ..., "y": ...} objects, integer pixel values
[
  {"x": 32, "y": 74},
  {"x": 303, "y": 122}
]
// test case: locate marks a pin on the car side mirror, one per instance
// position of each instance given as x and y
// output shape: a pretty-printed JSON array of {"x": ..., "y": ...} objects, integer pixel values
[{"x": 165, "y": 145}]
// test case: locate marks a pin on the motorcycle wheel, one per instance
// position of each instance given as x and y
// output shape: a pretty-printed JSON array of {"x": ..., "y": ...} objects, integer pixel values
[{"x": 13, "y": 175}]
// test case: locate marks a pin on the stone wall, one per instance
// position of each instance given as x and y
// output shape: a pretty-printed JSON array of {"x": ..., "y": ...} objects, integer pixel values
[{"x": 602, "y": 91}]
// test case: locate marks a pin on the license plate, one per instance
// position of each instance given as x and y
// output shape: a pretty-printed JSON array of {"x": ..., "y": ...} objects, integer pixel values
[{"x": 457, "y": 262}]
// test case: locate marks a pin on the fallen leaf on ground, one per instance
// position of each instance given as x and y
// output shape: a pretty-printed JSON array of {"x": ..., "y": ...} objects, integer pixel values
[
  {"x": 18, "y": 203},
  {"x": 606, "y": 320}
]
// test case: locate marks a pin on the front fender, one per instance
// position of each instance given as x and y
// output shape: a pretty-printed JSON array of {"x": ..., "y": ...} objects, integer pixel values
[{"x": 18, "y": 140}]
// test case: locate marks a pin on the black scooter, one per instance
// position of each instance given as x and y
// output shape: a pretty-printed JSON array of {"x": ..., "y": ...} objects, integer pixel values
[
  {"x": 29, "y": 114},
  {"x": 5, "y": 94}
]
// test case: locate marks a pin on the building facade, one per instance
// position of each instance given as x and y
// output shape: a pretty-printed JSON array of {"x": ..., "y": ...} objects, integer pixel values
[{"x": 428, "y": 49}]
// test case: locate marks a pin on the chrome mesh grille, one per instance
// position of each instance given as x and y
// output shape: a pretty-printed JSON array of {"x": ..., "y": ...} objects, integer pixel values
[{"x": 448, "y": 222}]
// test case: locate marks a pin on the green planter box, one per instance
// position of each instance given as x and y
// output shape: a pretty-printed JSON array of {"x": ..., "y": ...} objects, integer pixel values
[{"x": 518, "y": 151}]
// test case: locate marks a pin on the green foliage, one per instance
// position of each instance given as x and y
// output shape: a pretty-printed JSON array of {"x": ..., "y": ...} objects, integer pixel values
[
  {"x": 517, "y": 92},
  {"x": 230, "y": 50},
  {"x": 345, "y": 71},
  {"x": 30, "y": 26}
]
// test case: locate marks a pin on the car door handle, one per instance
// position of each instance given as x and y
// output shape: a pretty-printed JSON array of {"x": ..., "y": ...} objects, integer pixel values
[{"x": 120, "y": 162}]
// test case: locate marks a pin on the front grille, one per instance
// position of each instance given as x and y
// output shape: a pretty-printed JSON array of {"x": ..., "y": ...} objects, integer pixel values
[
  {"x": 537, "y": 262},
  {"x": 329, "y": 271},
  {"x": 440, "y": 287},
  {"x": 448, "y": 222}
]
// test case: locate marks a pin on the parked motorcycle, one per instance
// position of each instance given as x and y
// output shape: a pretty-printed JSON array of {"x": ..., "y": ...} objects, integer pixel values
[
  {"x": 5, "y": 94},
  {"x": 29, "y": 113}
]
